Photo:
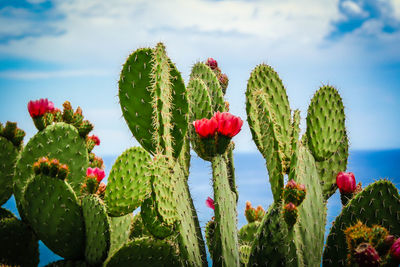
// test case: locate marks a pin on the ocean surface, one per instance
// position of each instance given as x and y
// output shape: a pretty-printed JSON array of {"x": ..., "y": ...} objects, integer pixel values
[{"x": 253, "y": 185}]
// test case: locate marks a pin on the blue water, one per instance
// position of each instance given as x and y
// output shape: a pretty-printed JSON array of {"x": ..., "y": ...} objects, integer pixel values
[{"x": 252, "y": 182}]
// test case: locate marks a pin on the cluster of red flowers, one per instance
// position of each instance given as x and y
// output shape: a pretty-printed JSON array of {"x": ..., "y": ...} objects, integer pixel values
[
  {"x": 40, "y": 107},
  {"x": 97, "y": 173},
  {"x": 222, "y": 123}
]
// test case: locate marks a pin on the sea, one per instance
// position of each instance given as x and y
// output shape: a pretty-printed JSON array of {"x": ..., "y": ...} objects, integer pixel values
[{"x": 252, "y": 182}]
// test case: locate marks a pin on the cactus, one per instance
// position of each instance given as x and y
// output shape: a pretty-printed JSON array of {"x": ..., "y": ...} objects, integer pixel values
[{"x": 56, "y": 179}]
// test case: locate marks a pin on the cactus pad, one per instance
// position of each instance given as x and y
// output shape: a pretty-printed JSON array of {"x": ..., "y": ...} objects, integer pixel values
[
  {"x": 203, "y": 72},
  {"x": 18, "y": 244},
  {"x": 145, "y": 251},
  {"x": 53, "y": 212},
  {"x": 157, "y": 118},
  {"x": 128, "y": 182},
  {"x": 60, "y": 141},
  {"x": 8, "y": 157},
  {"x": 325, "y": 123},
  {"x": 97, "y": 229},
  {"x": 120, "y": 229}
]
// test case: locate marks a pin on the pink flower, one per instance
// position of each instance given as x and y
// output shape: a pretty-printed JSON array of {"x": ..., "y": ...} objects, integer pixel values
[
  {"x": 205, "y": 127},
  {"x": 95, "y": 139},
  {"x": 210, "y": 203},
  {"x": 395, "y": 250},
  {"x": 346, "y": 182},
  {"x": 40, "y": 107},
  {"x": 212, "y": 63},
  {"x": 228, "y": 124},
  {"x": 97, "y": 173}
]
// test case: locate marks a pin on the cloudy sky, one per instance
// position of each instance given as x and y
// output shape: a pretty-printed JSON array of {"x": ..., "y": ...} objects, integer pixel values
[{"x": 73, "y": 50}]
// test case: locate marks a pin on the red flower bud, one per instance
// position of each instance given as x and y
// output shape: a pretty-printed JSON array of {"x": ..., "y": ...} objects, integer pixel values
[
  {"x": 228, "y": 124},
  {"x": 206, "y": 128},
  {"x": 210, "y": 203},
  {"x": 40, "y": 107},
  {"x": 95, "y": 139},
  {"x": 291, "y": 184},
  {"x": 346, "y": 182},
  {"x": 395, "y": 250},
  {"x": 212, "y": 63}
]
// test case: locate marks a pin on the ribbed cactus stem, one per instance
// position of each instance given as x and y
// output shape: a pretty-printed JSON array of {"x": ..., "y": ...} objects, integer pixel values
[{"x": 225, "y": 216}]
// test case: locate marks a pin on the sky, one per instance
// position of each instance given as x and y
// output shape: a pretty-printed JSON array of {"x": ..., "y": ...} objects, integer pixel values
[{"x": 74, "y": 50}]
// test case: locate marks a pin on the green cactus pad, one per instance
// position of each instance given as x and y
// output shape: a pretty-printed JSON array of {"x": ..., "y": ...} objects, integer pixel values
[
  {"x": 163, "y": 185},
  {"x": 18, "y": 244},
  {"x": 204, "y": 73},
  {"x": 226, "y": 237},
  {"x": 128, "y": 183},
  {"x": 53, "y": 212},
  {"x": 137, "y": 228},
  {"x": 97, "y": 228},
  {"x": 262, "y": 129},
  {"x": 134, "y": 97},
  {"x": 152, "y": 220},
  {"x": 325, "y": 123},
  {"x": 67, "y": 263},
  {"x": 8, "y": 158},
  {"x": 264, "y": 84},
  {"x": 199, "y": 100},
  {"x": 210, "y": 237},
  {"x": 191, "y": 242},
  {"x": 145, "y": 252},
  {"x": 274, "y": 244},
  {"x": 328, "y": 169},
  {"x": 310, "y": 227},
  {"x": 120, "y": 229},
  {"x": 60, "y": 141},
  {"x": 379, "y": 203},
  {"x": 157, "y": 118}
]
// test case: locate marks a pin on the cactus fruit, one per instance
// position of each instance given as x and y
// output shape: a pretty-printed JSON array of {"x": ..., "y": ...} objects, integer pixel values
[{"x": 346, "y": 182}]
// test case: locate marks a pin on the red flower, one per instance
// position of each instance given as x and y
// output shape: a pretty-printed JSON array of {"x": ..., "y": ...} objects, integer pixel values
[
  {"x": 40, "y": 107},
  {"x": 395, "y": 250},
  {"x": 346, "y": 182},
  {"x": 212, "y": 63},
  {"x": 95, "y": 139},
  {"x": 97, "y": 173},
  {"x": 228, "y": 124},
  {"x": 206, "y": 128},
  {"x": 210, "y": 203}
]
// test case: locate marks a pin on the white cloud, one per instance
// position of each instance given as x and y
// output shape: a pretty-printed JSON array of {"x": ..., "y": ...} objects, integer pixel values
[
  {"x": 352, "y": 8},
  {"x": 396, "y": 8}
]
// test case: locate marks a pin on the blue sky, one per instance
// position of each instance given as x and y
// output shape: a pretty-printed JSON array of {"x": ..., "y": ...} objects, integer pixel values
[{"x": 73, "y": 50}]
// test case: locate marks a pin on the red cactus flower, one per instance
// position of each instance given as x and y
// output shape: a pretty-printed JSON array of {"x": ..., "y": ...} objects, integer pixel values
[
  {"x": 212, "y": 63},
  {"x": 395, "y": 250},
  {"x": 228, "y": 124},
  {"x": 210, "y": 203},
  {"x": 40, "y": 107},
  {"x": 346, "y": 182},
  {"x": 95, "y": 139},
  {"x": 97, "y": 173},
  {"x": 206, "y": 128}
]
